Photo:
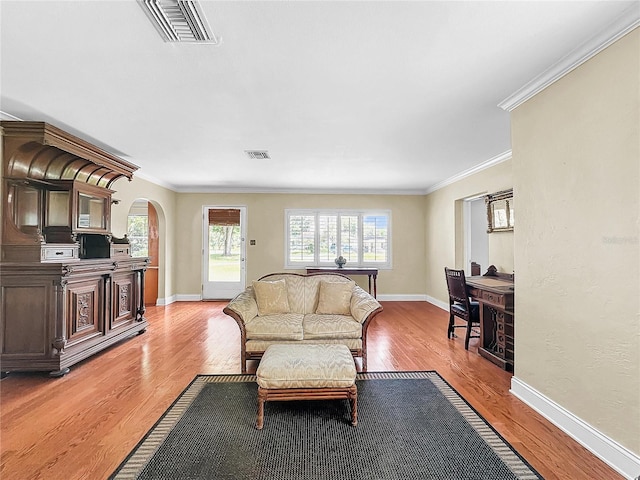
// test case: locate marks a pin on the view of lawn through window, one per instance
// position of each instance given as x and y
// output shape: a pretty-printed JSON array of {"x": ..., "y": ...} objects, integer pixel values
[
  {"x": 316, "y": 238},
  {"x": 224, "y": 253},
  {"x": 137, "y": 233}
]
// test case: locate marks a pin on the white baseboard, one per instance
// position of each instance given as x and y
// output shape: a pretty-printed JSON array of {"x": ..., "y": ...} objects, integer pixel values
[
  {"x": 188, "y": 298},
  {"x": 438, "y": 303},
  {"x": 402, "y": 298},
  {"x": 612, "y": 453},
  {"x": 161, "y": 302}
]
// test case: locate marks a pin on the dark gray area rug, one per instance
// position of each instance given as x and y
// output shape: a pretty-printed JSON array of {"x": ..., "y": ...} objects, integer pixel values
[{"x": 411, "y": 425}]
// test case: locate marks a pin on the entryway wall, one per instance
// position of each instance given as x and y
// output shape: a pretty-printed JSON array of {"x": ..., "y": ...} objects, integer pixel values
[
  {"x": 445, "y": 226},
  {"x": 475, "y": 234}
]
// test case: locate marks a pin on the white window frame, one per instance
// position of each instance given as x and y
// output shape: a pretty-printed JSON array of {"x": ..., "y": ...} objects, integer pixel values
[{"x": 316, "y": 213}]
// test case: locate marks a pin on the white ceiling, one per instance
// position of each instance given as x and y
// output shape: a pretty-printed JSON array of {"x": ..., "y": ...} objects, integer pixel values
[{"x": 361, "y": 96}]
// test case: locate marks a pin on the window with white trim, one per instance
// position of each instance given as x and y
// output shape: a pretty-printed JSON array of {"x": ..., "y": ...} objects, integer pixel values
[{"x": 318, "y": 237}]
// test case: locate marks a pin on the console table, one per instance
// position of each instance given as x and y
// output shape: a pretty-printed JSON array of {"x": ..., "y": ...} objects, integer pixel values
[
  {"x": 369, "y": 272},
  {"x": 495, "y": 295}
]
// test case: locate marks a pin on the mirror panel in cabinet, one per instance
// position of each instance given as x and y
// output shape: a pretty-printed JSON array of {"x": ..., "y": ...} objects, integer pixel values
[
  {"x": 91, "y": 212},
  {"x": 57, "y": 209},
  {"x": 26, "y": 208}
]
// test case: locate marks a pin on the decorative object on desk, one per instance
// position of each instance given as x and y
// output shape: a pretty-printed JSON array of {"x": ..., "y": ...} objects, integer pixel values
[
  {"x": 340, "y": 261},
  {"x": 475, "y": 268},
  {"x": 192, "y": 438},
  {"x": 492, "y": 271},
  {"x": 500, "y": 211}
]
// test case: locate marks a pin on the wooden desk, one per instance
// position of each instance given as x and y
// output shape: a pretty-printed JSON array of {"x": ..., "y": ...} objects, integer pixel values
[
  {"x": 495, "y": 295},
  {"x": 370, "y": 272}
]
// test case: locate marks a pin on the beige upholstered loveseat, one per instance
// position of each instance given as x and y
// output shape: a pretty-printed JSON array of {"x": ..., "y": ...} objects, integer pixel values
[{"x": 295, "y": 308}]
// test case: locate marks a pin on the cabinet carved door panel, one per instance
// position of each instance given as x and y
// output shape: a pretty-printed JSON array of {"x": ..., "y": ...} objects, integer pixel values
[
  {"x": 125, "y": 295},
  {"x": 84, "y": 319}
]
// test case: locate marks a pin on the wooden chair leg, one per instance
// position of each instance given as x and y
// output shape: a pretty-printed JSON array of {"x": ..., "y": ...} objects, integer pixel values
[
  {"x": 468, "y": 336},
  {"x": 450, "y": 330}
]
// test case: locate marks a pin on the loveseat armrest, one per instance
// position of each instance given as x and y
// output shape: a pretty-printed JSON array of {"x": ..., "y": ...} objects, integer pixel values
[
  {"x": 243, "y": 307},
  {"x": 363, "y": 304}
]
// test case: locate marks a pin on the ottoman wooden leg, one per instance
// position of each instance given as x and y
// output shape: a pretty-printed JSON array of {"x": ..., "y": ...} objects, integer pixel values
[
  {"x": 261, "y": 399},
  {"x": 353, "y": 399}
]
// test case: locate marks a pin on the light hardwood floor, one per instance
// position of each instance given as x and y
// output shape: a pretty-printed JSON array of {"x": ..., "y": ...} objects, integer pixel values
[{"x": 83, "y": 425}]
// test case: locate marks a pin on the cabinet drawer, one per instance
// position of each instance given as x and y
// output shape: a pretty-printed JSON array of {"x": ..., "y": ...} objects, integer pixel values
[
  {"x": 504, "y": 317},
  {"x": 56, "y": 253},
  {"x": 474, "y": 292},
  {"x": 505, "y": 329},
  {"x": 119, "y": 249},
  {"x": 503, "y": 301},
  {"x": 495, "y": 298}
]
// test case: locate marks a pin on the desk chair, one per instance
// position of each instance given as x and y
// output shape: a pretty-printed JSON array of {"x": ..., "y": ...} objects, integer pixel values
[{"x": 460, "y": 305}]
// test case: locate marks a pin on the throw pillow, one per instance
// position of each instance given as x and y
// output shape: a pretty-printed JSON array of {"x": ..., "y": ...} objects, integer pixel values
[
  {"x": 335, "y": 298},
  {"x": 271, "y": 297}
]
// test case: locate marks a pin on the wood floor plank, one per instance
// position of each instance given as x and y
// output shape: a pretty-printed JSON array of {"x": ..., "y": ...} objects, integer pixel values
[{"x": 83, "y": 425}]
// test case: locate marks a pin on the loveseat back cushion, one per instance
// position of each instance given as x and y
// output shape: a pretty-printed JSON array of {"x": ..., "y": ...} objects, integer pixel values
[
  {"x": 334, "y": 298},
  {"x": 317, "y": 326},
  {"x": 283, "y": 326},
  {"x": 295, "y": 289},
  {"x": 303, "y": 290},
  {"x": 312, "y": 289},
  {"x": 271, "y": 297}
]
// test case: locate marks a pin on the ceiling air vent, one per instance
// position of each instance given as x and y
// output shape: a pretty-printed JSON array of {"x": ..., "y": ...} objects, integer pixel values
[
  {"x": 257, "y": 154},
  {"x": 179, "y": 20}
]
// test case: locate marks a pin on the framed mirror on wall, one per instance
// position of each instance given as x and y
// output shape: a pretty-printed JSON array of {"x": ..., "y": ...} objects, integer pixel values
[{"x": 500, "y": 211}]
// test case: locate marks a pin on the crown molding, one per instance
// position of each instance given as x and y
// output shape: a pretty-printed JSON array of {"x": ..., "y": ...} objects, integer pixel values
[
  {"x": 299, "y": 191},
  {"x": 8, "y": 116},
  {"x": 625, "y": 23},
  {"x": 156, "y": 181},
  {"x": 472, "y": 171}
]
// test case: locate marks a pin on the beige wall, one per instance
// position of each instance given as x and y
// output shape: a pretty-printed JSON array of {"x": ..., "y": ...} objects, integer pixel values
[
  {"x": 576, "y": 165},
  {"x": 445, "y": 233},
  {"x": 265, "y": 214},
  {"x": 164, "y": 200}
]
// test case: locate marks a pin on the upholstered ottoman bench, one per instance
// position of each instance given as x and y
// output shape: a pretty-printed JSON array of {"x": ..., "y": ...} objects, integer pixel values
[{"x": 307, "y": 372}]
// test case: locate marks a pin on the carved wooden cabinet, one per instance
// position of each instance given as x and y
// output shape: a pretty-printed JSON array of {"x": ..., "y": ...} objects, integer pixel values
[
  {"x": 68, "y": 288},
  {"x": 56, "y": 314},
  {"x": 495, "y": 295}
]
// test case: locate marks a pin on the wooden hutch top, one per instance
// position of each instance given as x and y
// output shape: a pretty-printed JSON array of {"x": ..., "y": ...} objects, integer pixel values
[
  {"x": 56, "y": 194},
  {"x": 39, "y": 151}
]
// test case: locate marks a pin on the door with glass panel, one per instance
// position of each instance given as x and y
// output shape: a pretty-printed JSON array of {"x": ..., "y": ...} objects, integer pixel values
[{"x": 223, "y": 252}]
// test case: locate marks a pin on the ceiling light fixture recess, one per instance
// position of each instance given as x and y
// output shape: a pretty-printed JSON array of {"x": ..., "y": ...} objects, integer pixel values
[
  {"x": 179, "y": 20},
  {"x": 257, "y": 154}
]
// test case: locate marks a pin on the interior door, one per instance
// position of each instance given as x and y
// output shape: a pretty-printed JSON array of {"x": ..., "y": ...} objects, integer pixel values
[{"x": 224, "y": 272}]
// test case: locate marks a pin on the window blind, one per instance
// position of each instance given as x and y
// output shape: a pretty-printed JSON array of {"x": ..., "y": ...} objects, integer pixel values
[{"x": 226, "y": 217}]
